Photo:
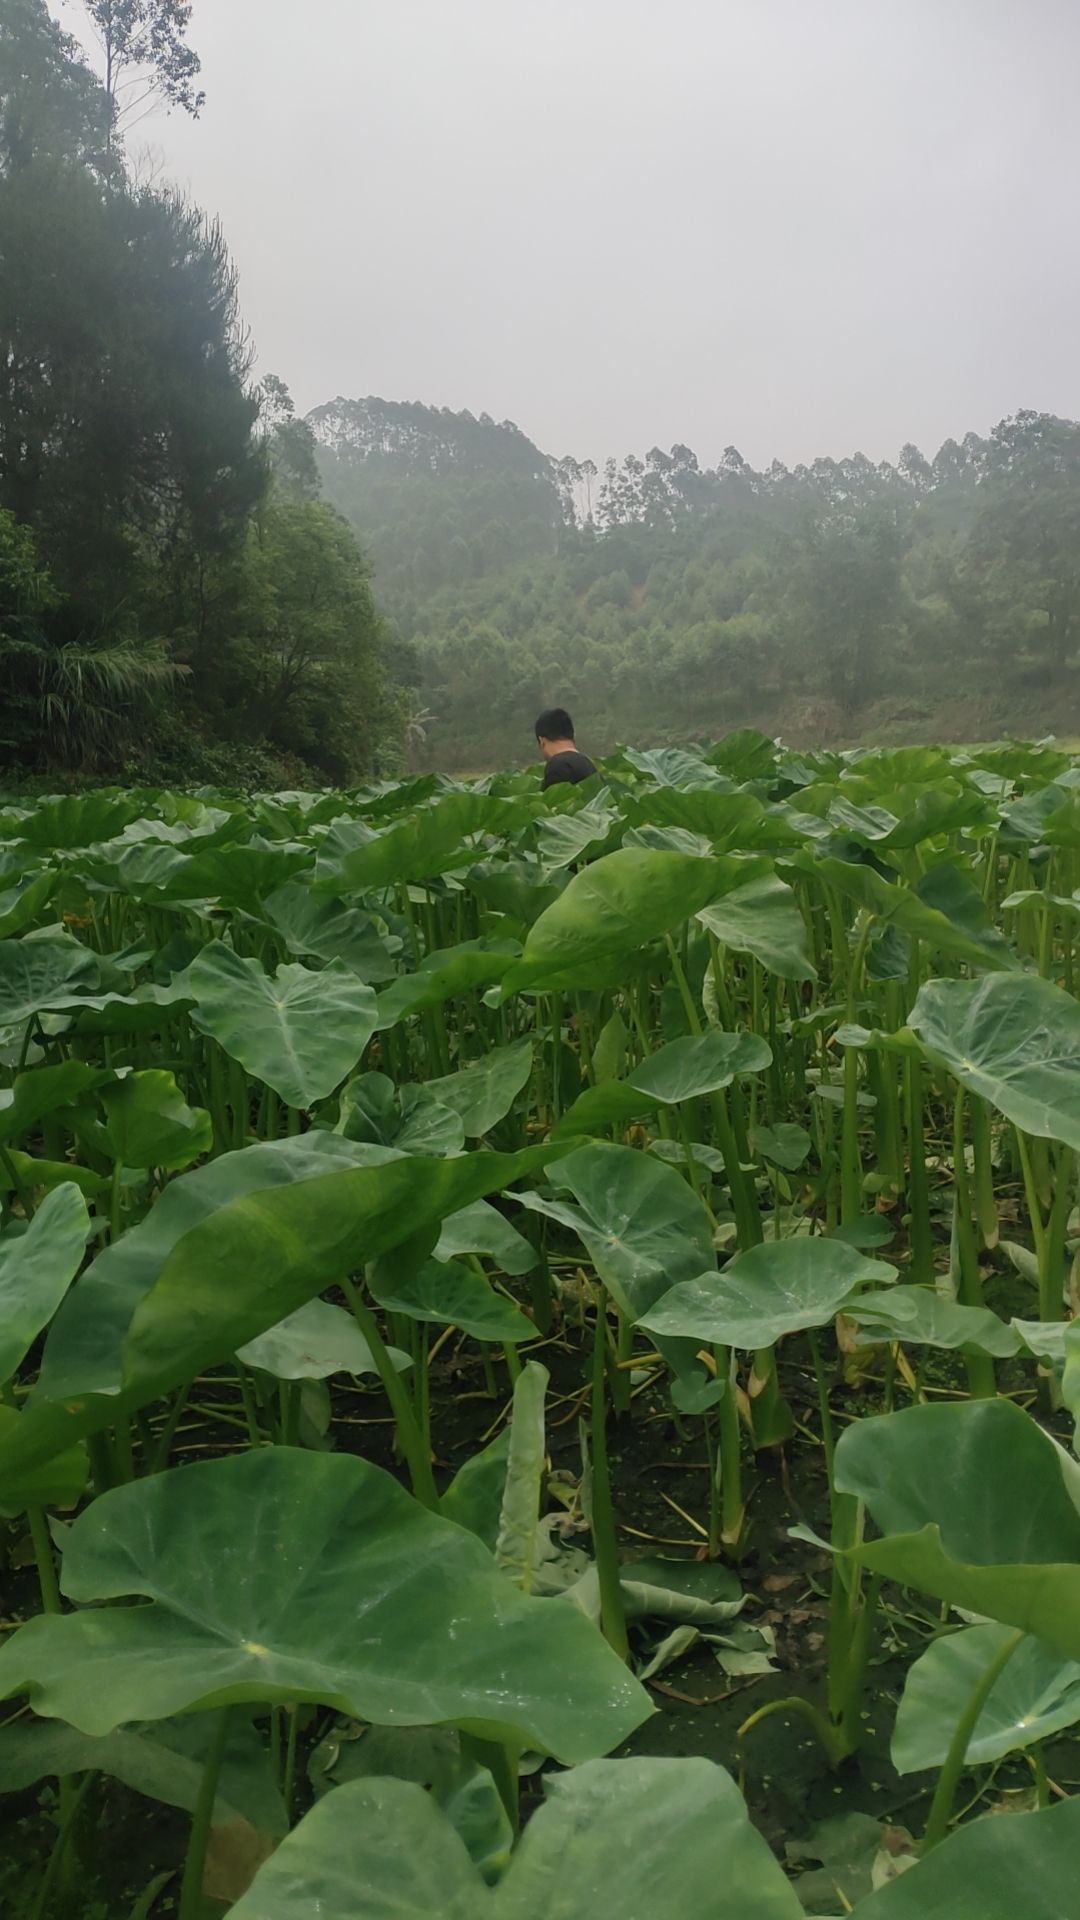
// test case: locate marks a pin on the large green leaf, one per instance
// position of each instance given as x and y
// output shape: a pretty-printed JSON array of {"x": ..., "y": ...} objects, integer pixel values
[
  {"x": 484, "y": 1092},
  {"x": 636, "y": 1839},
  {"x": 36, "y": 974},
  {"x": 699, "y": 1064},
  {"x": 449, "y": 1295},
  {"x": 993, "y": 1869},
  {"x": 412, "y": 1119},
  {"x": 37, "y": 1265},
  {"x": 762, "y": 917},
  {"x": 899, "y": 906},
  {"x": 686, "y": 1069},
  {"x": 923, "y": 1318},
  {"x": 615, "y": 906},
  {"x": 301, "y": 1032},
  {"x": 1016, "y": 1042},
  {"x": 21, "y": 902},
  {"x": 149, "y": 1123},
  {"x": 79, "y": 819},
  {"x": 56, "y": 1482},
  {"x": 482, "y": 1229},
  {"x": 311, "y": 1344},
  {"x": 722, "y": 818},
  {"x": 331, "y": 930},
  {"x": 951, "y": 890},
  {"x": 444, "y": 974},
  {"x": 228, "y": 1251},
  {"x": 283, "y": 1576},
  {"x": 1036, "y": 1696},
  {"x": 978, "y": 1506},
  {"x": 641, "y": 1222},
  {"x": 163, "y": 1760},
  {"x": 24, "y": 1171},
  {"x": 240, "y": 876},
  {"x": 356, "y": 858},
  {"x": 519, "y": 888},
  {"x": 780, "y": 1287},
  {"x": 41, "y": 1092},
  {"x": 568, "y": 836}
]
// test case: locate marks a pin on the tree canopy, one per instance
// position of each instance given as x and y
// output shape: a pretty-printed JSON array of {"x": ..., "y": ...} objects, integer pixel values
[
  {"x": 664, "y": 600},
  {"x": 174, "y": 594}
]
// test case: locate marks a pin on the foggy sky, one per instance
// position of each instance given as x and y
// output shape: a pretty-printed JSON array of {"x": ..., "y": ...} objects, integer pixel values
[{"x": 798, "y": 226}]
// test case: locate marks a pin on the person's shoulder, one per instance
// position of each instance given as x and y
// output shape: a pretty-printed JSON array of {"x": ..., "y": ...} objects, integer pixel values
[{"x": 559, "y": 767}]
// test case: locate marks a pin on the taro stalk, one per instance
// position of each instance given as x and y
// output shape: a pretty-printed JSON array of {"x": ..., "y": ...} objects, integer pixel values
[{"x": 776, "y": 1289}]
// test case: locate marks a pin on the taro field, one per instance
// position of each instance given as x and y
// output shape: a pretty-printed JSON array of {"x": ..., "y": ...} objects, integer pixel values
[{"x": 537, "y": 1358}]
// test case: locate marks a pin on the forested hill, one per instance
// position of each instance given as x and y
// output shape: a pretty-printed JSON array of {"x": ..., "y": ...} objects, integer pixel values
[{"x": 663, "y": 600}]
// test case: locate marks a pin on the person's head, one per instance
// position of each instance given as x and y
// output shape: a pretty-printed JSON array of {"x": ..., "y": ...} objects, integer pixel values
[{"x": 554, "y": 731}]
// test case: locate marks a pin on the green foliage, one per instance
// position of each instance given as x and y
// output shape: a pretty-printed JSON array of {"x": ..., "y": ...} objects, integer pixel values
[
  {"x": 247, "y": 1052},
  {"x": 173, "y": 594},
  {"x": 921, "y": 599}
]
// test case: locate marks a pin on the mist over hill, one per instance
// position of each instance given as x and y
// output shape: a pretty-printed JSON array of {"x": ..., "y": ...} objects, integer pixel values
[{"x": 846, "y": 600}]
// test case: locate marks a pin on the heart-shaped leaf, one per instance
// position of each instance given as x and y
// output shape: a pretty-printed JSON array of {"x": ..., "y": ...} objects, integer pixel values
[
  {"x": 1036, "y": 1696},
  {"x": 300, "y": 1032},
  {"x": 164, "y": 1760},
  {"x": 1014, "y": 1041},
  {"x": 38, "y": 1262},
  {"x": 994, "y": 1868},
  {"x": 998, "y": 1533},
  {"x": 924, "y": 1318},
  {"x": 448, "y": 1295},
  {"x": 780, "y": 1287},
  {"x": 613, "y": 907},
  {"x": 638, "y": 1218},
  {"x": 149, "y": 1123},
  {"x": 482, "y": 1229},
  {"x": 686, "y": 1069},
  {"x": 444, "y": 974},
  {"x": 311, "y": 1344},
  {"x": 285, "y": 1576},
  {"x": 42, "y": 1092},
  {"x": 35, "y": 974},
  {"x": 762, "y": 917},
  {"x": 483, "y": 1093},
  {"x": 615, "y": 1840}
]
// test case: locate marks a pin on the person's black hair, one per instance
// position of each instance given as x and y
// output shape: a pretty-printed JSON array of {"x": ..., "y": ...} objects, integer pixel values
[{"x": 555, "y": 724}]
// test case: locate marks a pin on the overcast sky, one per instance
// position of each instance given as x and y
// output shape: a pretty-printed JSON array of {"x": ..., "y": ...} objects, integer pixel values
[{"x": 798, "y": 226}]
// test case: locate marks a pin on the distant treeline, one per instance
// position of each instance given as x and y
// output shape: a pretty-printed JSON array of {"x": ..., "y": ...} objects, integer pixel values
[
  {"x": 176, "y": 600},
  {"x": 662, "y": 600}
]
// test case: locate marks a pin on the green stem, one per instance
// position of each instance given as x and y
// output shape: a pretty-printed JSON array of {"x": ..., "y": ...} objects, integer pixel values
[
  {"x": 920, "y": 1232},
  {"x": 605, "y": 1547},
  {"x": 941, "y": 1806},
  {"x": 986, "y": 1211},
  {"x": 289, "y": 1781},
  {"x": 827, "y": 1435},
  {"x": 412, "y": 1443},
  {"x": 1052, "y": 1259},
  {"x": 69, "y": 1811},
  {"x": 251, "y": 1414},
  {"x": 190, "y": 1906},
  {"x": 732, "y": 1509},
  {"x": 160, "y": 1458},
  {"x": 980, "y": 1368},
  {"x": 43, "y": 1555},
  {"x": 794, "y": 1703}
]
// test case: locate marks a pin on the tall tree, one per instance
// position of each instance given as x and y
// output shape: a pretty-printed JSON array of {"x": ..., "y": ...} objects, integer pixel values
[{"x": 145, "y": 56}]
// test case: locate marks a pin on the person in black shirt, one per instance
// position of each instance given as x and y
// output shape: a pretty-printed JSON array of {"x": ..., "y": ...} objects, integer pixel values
[{"x": 555, "y": 739}]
